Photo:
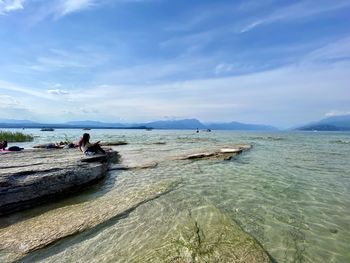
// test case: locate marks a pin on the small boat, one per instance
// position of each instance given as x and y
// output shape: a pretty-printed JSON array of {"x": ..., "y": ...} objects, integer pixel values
[
  {"x": 149, "y": 129},
  {"x": 86, "y": 129},
  {"x": 47, "y": 129}
]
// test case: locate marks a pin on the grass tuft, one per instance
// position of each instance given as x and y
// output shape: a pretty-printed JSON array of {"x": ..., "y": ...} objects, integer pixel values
[{"x": 15, "y": 136}]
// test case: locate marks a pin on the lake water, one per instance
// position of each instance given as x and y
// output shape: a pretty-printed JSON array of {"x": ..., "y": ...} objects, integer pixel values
[{"x": 291, "y": 192}]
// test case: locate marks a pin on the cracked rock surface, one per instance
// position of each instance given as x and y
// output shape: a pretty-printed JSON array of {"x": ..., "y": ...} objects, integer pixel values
[{"x": 31, "y": 177}]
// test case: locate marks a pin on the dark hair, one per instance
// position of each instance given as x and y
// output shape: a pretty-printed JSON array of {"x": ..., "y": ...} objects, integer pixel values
[
  {"x": 84, "y": 140},
  {"x": 3, "y": 144}
]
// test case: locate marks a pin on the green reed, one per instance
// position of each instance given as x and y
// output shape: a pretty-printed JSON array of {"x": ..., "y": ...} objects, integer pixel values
[{"x": 15, "y": 136}]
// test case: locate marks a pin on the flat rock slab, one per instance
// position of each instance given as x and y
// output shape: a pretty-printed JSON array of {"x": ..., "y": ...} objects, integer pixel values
[
  {"x": 27, "y": 177},
  {"x": 18, "y": 240},
  {"x": 226, "y": 153},
  {"x": 205, "y": 234}
]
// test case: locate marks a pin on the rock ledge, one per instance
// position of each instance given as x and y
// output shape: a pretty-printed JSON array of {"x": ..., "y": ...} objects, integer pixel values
[{"x": 31, "y": 177}]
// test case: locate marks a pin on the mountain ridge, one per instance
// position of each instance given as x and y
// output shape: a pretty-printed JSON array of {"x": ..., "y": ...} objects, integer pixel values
[
  {"x": 332, "y": 123},
  {"x": 183, "y": 124}
]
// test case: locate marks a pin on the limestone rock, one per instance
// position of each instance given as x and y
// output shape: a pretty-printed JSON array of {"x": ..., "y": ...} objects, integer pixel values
[
  {"x": 226, "y": 153},
  {"x": 27, "y": 177},
  {"x": 18, "y": 240},
  {"x": 205, "y": 234}
]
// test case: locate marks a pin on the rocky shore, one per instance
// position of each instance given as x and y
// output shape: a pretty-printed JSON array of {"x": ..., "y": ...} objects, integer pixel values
[{"x": 30, "y": 177}]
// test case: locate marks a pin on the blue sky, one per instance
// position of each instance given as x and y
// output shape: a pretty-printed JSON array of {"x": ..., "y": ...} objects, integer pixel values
[{"x": 275, "y": 62}]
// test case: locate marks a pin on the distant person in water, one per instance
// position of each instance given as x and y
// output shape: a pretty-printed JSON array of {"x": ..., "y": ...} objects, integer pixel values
[
  {"x": 89, "y": 148},
  {"x": 3, "y": 145}
]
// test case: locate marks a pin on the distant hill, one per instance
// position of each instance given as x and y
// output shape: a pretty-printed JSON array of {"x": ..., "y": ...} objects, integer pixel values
[
  {"x": 338, "y": 121},
  {"x": 10, "y": 121},
  {"x": 334, "y": 123},
  {"x": 193, "y": 124},
  {"x": 67, "y": 125},
  {"x": 95, "y": 124},
  {"x": 185, "y": 124}
]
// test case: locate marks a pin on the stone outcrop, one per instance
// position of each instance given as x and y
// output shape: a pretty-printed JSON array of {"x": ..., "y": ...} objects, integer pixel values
[
  {"x": 17, "y": 240},
  {"x": 226, "y": 153},
  {"x": 29, "y": 177},
  {"x": 197, "y": 234}
]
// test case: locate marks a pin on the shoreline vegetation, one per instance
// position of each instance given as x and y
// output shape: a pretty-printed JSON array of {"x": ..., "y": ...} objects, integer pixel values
[{"x": 15, "y": 137}]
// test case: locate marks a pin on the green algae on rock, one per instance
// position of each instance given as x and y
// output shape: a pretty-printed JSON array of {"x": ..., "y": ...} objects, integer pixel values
[{"x": 205, "y": 234}]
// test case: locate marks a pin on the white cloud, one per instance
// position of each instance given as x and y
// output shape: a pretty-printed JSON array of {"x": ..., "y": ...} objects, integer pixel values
[
  {"x": 65, "y": 7},
  {"x": 301, "y": 10},
  {"x": 160, "y": 71},
  {"x": 288, "y": 95},
  {"x": 8, "y": 101},
  {"x": 61, "y": 59},
  {"x": 223, "y": 68},
  {"x": 58, "y": 92},
  {"x": 284, "y": 96},
  {"x": 337, "y": 113},
  {"x": 7, "y": 6},
  {"x": 10, "y": 87},
  {"x": 13, "y": 108},
  {"x": 252, "y": 25},
  {"x": 339, "y": 50},
  {"x": 48, "y": 8}
]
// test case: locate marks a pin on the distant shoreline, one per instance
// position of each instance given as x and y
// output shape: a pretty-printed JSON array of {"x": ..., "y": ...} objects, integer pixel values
[{"x": 14, "y": 126}]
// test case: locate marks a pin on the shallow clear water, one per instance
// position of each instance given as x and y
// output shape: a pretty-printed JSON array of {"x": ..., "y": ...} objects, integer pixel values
[{"x": 291, "y": 192}]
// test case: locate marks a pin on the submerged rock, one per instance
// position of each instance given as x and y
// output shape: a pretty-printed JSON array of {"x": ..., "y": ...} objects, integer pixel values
[
  {"x": 226, "y": 153},
  {"x": 116, "y": 143},
  {"x": 205, "y": 234},
  {"x": 21, "y": 238},
  {"x": 150, "y": 165},
  {"x": 31, "y": 177},
  {"x": 159, "y": 143}
]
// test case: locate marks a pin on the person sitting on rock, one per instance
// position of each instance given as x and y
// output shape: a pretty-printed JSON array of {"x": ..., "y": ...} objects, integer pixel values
[
  {"x": 89, "y": 148},
  {"x": 3, "y": 145}
]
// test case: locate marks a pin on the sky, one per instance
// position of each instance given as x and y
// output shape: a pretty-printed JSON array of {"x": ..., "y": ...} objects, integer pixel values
[{"x": 277, "y": 62}]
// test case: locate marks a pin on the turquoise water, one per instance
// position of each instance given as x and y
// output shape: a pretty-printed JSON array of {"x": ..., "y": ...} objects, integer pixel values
[{"x": 291, "y": 192}]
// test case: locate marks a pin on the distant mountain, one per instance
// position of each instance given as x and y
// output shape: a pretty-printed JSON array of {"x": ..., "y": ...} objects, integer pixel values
[
  {"x": 240, "y": 126},
  {"x": 334, "y": 123},
  {"x": 186, "y": 124},
  {"x": 338, "y": 121},
  {"x": 4, "y": 123},
  {"x": 192, "y": 124},
  {"x": 94, "y": 124},
  {"x": 10, "y": 121}
]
